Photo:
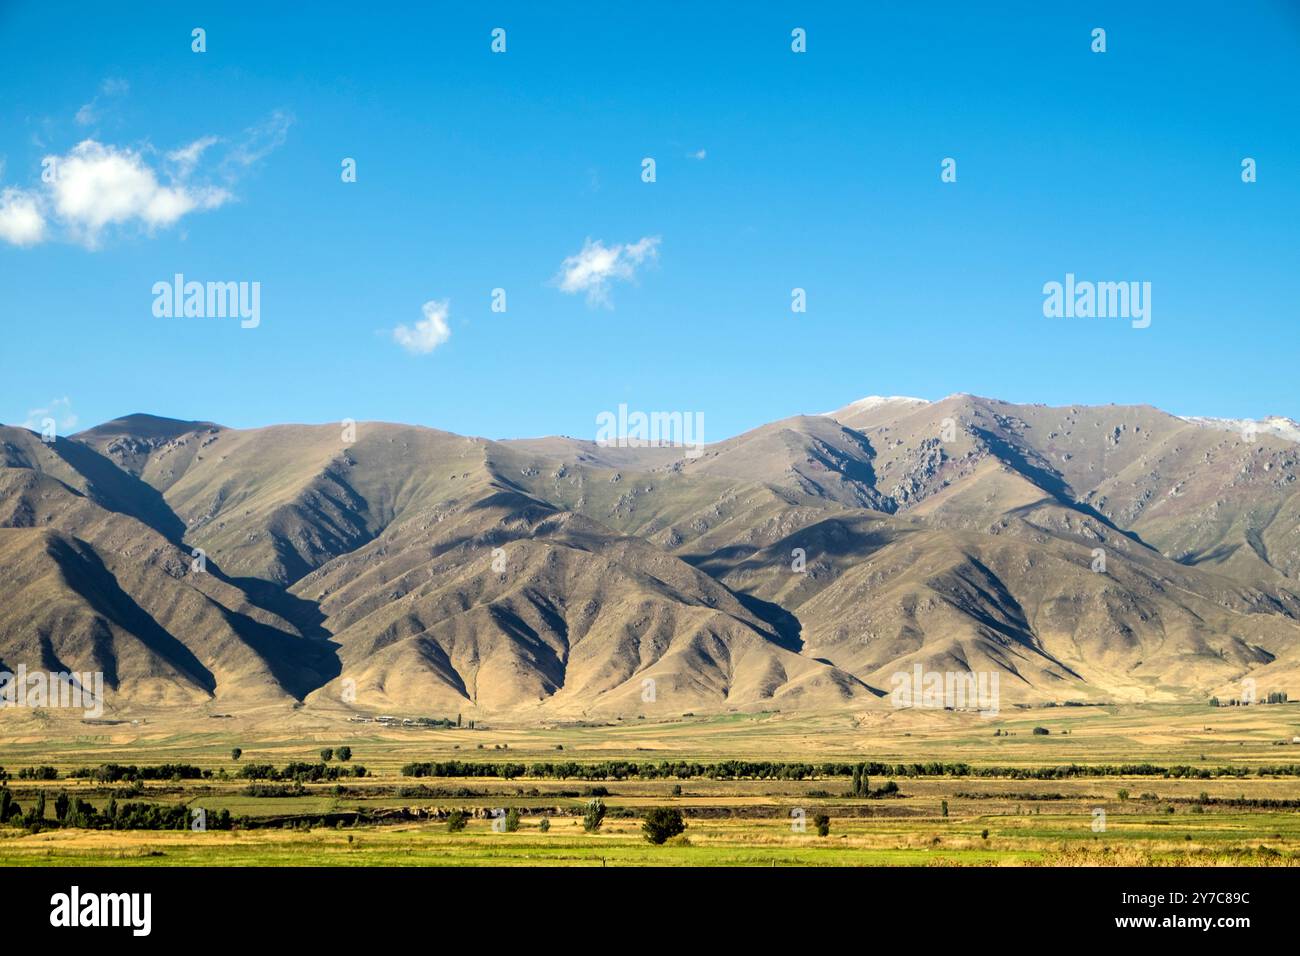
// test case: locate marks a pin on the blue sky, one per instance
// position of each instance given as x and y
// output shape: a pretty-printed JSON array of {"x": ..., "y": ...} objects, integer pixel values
[{"x": 478, "y": 171}]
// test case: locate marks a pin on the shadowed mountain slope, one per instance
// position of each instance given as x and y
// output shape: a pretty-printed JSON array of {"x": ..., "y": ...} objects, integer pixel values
[{"x": 1080, "y": 553}]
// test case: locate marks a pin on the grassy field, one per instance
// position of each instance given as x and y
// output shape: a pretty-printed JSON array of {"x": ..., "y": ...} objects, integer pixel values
[
  {"x": 387, "y": 819},
  {"x": 1048, "y": 838},
  {"x": 1139, "y": 839}
]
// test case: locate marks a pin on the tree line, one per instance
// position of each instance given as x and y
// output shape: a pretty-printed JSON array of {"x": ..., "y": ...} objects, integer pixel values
[
  {"x": 776, "y": 770},
  {"x": 75, "y": 812},
  {"x": 296, "y": 771}
]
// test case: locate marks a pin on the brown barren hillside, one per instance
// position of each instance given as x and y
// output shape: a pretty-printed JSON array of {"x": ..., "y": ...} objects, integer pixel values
[{"x": 1113, "y": 553}]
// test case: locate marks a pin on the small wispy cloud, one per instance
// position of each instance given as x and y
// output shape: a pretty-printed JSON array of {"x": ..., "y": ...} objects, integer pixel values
[
  {"x": 59, "y": 409},
  {"x": 110, "y": 88},
  {"x": 428, "y": 333},
  {"x": 698, "y": 154},
  {"x": 596, "y": 266},
  {"x": 187, "y": 157},
  {"x": 260, "y": 140}
]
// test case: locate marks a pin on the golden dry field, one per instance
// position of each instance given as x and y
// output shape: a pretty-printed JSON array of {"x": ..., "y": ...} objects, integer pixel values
[{"x": 1015, "y": 817}]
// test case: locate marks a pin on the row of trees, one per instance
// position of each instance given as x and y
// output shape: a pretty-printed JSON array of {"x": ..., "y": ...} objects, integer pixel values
[
  {"x": 116, "y": 772},
  {"x": 300, "y": 772},
  {"x": 860, "y": 773},
  {"x": 1272, "y": 697},
  {"x": 75, "y": 812},
  {"x": 771, "y": 770},
  {"x": 660, "y": 824},
  {"x": 326, "y": 755},
  {"x": 38, "y": 773},
  {"x": 304, "y": 772}
]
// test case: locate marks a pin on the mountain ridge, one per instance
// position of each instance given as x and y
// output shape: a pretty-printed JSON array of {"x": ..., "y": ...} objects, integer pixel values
[{"x": 1088, "y": 553}]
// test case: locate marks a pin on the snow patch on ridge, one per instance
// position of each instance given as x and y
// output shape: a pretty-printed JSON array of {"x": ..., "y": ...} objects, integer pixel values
[
  {"x": 1277, "y": 425},
  {"x": 874, "y": 401}
]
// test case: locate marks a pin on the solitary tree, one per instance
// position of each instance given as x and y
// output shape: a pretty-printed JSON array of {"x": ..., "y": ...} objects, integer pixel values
[
  {"x": 512, "y": 820},
  {"x": 236, "y": 753},
  {"x": 661, "y": 823},
  {"x": 327, "y": 754},
  {"x": 594, "y": 815},
  {"x": 823, "y": 824},
  {"x": 456, "y": 821},
  {"x": 344, "y": 753}
]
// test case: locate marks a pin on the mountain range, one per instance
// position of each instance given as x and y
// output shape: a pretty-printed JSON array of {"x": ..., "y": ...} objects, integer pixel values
[{"x": 1089, "y": 554}]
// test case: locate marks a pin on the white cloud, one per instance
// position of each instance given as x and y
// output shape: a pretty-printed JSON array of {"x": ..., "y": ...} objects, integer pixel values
[
  {"x": 110, "y": 87},
  {"x": 261, "y": 140},
  {"x": 21, "y": 222},
  {"x": 187, "y": 157},
  {"x": 700, "y": 154},
  {"x": 428, "y": 333},
  {"x": 596, "y": 266},
  {"x": 60, "y": 409},
  {"x": 97, "y": 185}
]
